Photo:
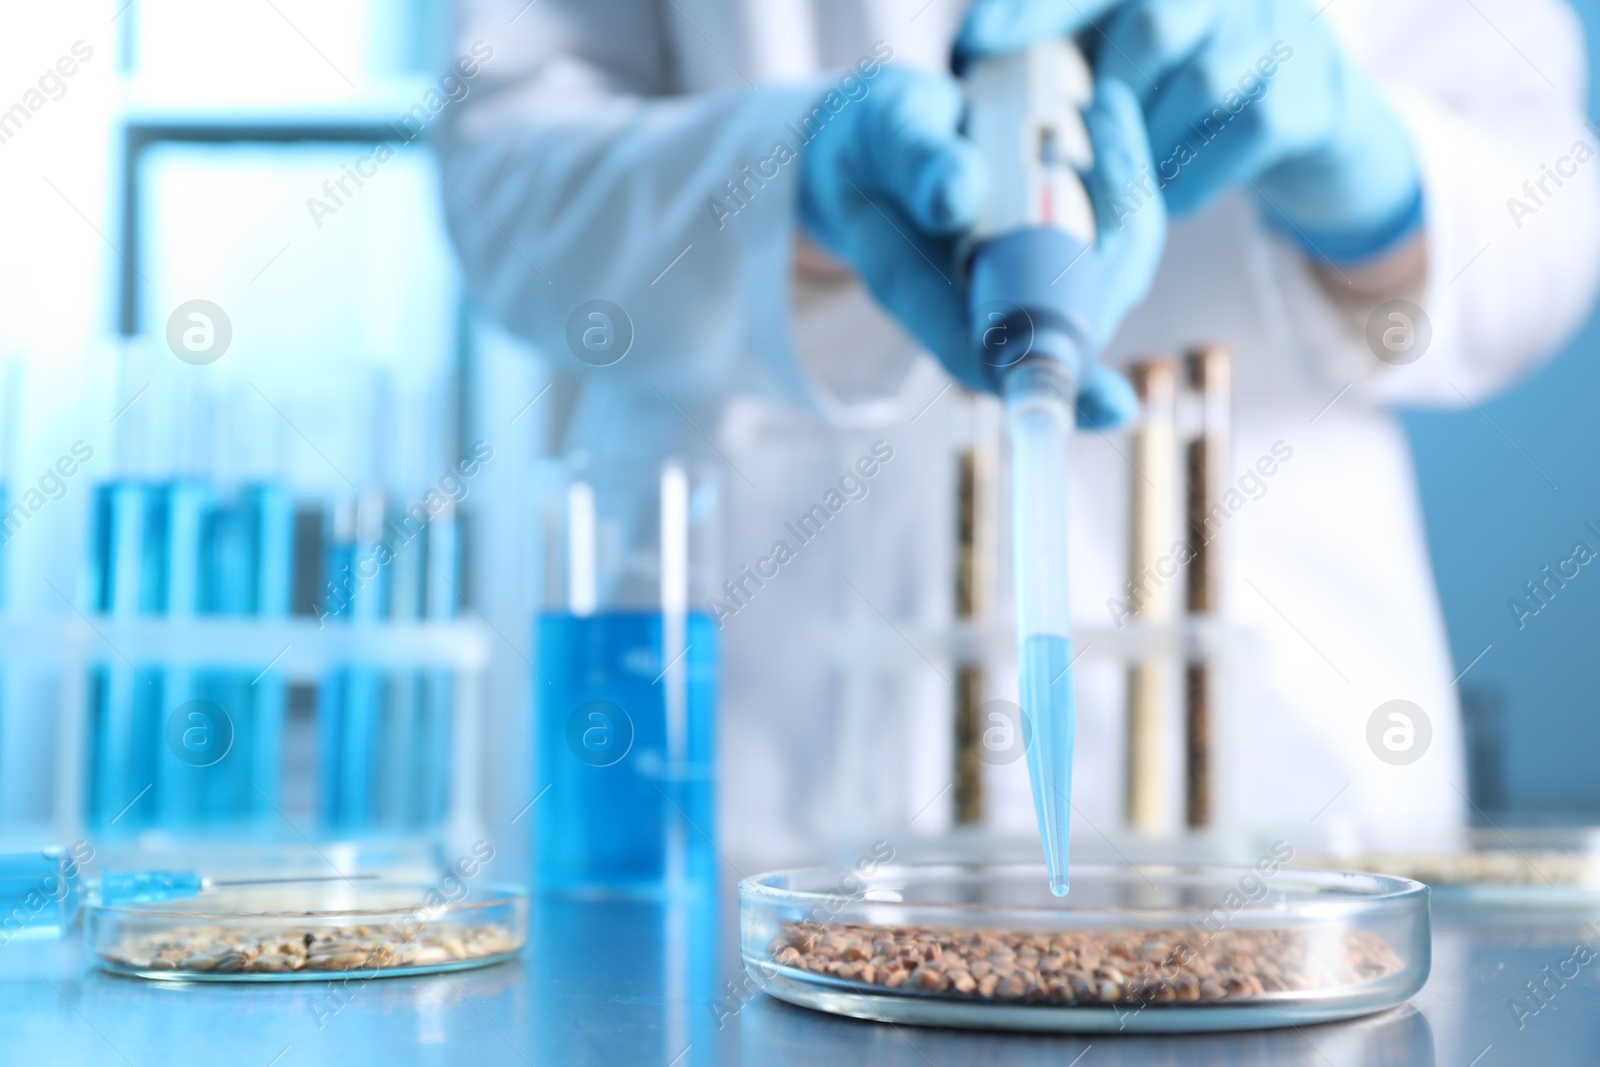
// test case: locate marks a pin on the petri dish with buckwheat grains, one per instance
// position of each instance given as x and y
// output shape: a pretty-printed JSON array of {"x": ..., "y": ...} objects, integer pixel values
[
  {"x": 1132, "y": 949},
  {"x": 1491, "y": 867},
  {"x": 309, "y": 931}
]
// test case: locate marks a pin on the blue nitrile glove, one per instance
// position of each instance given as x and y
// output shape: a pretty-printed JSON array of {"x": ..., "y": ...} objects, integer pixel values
[
  {"x": 1243, "y": 92},
  {"x": 890, "y": 185}
]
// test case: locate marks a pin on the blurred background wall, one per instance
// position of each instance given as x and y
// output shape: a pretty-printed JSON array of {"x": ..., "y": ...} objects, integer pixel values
[{"x": 1507, "y": 490}]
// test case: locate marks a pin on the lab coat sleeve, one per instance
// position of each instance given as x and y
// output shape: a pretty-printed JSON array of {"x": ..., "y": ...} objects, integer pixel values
[
  {"x": 572, "y": 174},
  {"x": 1492, "y": 95}
]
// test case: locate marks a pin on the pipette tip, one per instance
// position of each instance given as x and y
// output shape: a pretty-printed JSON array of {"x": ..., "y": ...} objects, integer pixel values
[{"x": 1058, "y": 888}]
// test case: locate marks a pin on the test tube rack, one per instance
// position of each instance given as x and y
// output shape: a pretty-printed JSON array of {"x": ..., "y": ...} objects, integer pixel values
[
  {"x": 1175, "y": 645},
  {"x": 297, "y": 649},
  {"x": 187, "y": 604}
]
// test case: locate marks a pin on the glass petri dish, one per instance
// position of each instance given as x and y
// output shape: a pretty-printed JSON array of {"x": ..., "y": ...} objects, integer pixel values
[
  {"x": 1534, "y": 867},
  {"x": 1134, "y": 949},
  {"x": 310, "y": 931}
]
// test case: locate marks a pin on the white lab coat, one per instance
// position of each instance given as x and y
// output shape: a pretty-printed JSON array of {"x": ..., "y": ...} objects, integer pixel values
[{"x": 582, "y": 165}]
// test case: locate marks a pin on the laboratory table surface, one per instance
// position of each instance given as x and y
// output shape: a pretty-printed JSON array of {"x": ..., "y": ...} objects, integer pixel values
[{"x": 644, "y": 984}]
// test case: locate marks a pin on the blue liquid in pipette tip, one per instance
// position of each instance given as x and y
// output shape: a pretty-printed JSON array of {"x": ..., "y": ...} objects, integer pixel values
[{"x": 1046, "y": 690}]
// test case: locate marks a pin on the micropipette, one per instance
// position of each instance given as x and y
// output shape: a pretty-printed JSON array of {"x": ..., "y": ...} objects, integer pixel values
[{"x": 1032, "y": 301}]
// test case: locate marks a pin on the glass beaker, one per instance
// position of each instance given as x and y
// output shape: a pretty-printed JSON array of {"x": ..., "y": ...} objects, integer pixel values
[{"x": 625, "y": 678}]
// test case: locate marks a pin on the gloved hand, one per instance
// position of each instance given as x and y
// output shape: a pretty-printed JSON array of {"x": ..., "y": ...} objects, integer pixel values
[
  {"x": 890, "y": 185},
  {"x": 1241, "y": 92}
]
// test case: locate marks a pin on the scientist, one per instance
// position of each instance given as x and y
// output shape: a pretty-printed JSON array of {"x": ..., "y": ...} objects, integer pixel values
[{"x": 771, "y": 192}]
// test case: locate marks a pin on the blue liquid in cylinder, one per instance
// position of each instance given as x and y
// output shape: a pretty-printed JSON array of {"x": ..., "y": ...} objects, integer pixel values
[
  {"x": 1049, "y": 723},
  {"x": 623, "y": 813}
]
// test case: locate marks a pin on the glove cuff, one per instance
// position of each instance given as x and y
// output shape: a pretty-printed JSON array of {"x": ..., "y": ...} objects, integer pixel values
[
  {"x": 1345, "y": 248},
  {"x": 1359, "y": 195}
]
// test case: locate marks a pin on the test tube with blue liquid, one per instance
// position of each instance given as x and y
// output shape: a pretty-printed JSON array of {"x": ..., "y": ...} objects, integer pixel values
[
  {"x": 244, "y": 566},
  {"x": 183, "y": 506},
  {"x": 433, "y": 752},
  {"x": 268, "y": 509},
  {"x": 412, "y": 774},
  {"x": 125, "y": 698},
  {"x": 350, "y": 699},
  {"x": 130, "y": 565},
  {"x": 625, "y": 679}
]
